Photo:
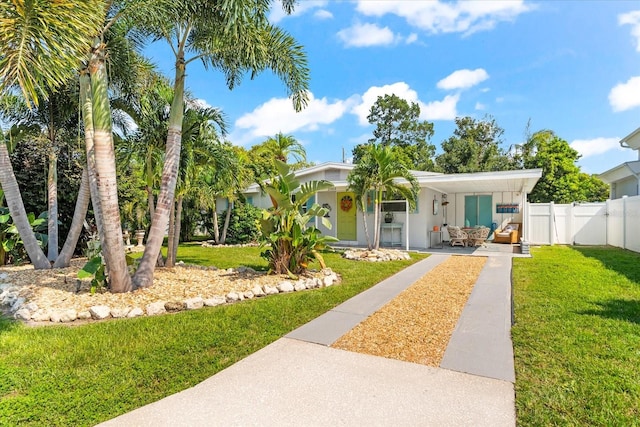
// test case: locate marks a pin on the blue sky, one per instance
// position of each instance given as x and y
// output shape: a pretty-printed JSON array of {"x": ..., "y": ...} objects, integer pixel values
[{"x": 569, "y": 66}]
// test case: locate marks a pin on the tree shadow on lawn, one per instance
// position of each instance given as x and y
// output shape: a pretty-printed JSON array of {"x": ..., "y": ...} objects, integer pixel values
[
  {"x": 7, "y": 324},
  {"x": 622, "y": 261},
  {"x": 617, "y": 309}
]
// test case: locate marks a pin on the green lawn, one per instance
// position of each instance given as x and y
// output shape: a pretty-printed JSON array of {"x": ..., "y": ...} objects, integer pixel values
[
  {"x": 577, "y": 337},
  {"x": 76, "y": 376}
]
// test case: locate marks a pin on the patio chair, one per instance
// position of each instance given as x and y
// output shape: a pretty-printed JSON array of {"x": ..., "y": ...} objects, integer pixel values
[
  {"x": 477, "y": 236},
  {"x": 457, "y": 236},
  {"x": 511, "y": 233}
]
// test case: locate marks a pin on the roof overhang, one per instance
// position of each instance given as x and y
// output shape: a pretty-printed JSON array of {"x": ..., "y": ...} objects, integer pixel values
[
  {"x": 620, "y": 172},
  {"x": 521, "y": 181},
  {"x": 632, "y": 140}
]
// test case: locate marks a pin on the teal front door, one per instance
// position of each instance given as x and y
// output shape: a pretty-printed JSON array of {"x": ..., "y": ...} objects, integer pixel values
[{"x": 477, "y": 211}]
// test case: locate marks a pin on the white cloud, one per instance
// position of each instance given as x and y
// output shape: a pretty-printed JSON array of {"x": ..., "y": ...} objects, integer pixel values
[
  {"x": 411, "y": 38},
  {"x": 625, "y": 96},
  {"x": 278, "y": 115},
  {"x": 440, "y": 110},
  {"x": 277, "y": 13},
  {"x": 360, "y": 35},
  {"x": 633, "y": 19},
  {"x": 480, "y": 106},
  {"x": 444, "y": 17},
  {"x": 463, "y": 79},
  {"x": 596, "y": 146},
  {"x": 323, "y": 14}
]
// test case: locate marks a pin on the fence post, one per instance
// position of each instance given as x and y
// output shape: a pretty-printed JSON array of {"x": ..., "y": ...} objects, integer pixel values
[
  {"x": 552, "y": 220},
  {"x": 606, "y": 222},
  {"x": 572, "y": 234},
  {"x": 624, "y": 222}
]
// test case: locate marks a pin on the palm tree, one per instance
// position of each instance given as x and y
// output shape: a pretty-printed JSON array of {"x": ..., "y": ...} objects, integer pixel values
[
  {"x": 285, "y": 146},
  {"x": 201, "y": 149},
  {"x": 53, "y": 116},
  {"x": 35, "y": 59},
  {"x": 234, "y": 37},
  {"x": 380, "y": 170}
]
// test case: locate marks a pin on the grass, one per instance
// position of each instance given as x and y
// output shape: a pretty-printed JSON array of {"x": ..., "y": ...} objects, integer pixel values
[
  {"x": 76, "y": 376},
  {"x": 577, "y": 337}
]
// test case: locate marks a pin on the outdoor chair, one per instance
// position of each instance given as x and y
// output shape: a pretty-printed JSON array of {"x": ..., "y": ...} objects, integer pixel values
[
  {"x": 511, "y": 233},
  {"x": 457, "y": 236},
  {"x": 477, "y": 236}
]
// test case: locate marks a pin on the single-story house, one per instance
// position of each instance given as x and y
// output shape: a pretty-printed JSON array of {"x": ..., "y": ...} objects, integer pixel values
[
  {"x": 467, "y": 199},
  {"x": 624, "y": 179}
]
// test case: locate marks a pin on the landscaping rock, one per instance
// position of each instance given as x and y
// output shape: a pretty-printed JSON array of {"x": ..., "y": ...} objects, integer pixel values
[
  {"x": 64, "y": 316},
  {"x": 99, "y": 312},
  {"x": 212, "y": 302},
  {"x": 135, "y": 312},
  {"x": 84, "y": 315},
  {"x": 17, "y": 303},
  {"x": 22, "y": 314},
  {"x": 270, "y": 290},
  {"x": 118, "y": 313},
  {"x": 248, "y": 295},
  {"x": 285, "y": 287},
  {"x": 32, "y": 307},
  {"x": 41, "y": 315},
  {"x": 173, "y": 306},
  {"x": 327, "y": 281},
  {"x": 193, "y": 303},
  {"x": 300, "y": 286},
  {"x": 257, "y": 291},
  {"x": 233, "y": 297},
  {"x": 155, "y": 308}
]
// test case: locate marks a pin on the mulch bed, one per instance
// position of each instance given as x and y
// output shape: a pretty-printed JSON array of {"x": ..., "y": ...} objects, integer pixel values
[{"x": 416, "y": 325}]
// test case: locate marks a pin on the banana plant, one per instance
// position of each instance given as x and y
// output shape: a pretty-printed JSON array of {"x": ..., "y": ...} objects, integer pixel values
[{"x": 288, "y": 240}]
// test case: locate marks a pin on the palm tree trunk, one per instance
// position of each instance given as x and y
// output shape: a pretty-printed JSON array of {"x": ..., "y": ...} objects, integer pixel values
[
  {"x": 376, "y": 221},
  {"x": 366, "y": 227},
  {"x": 112, "y": 245},
  {"x": 177, "y": 226},
  {"x": 52, "y": 190},
  {"x": 170, "y": 240},
  {"x": 225, "y": 227},
  {"x": 52, "y": 204},
  {"x": 13, "y": 197},
  {"x": 216, "y": 229},
  {"x": 82, "y": 204},
  {"x": 87, "y": 122},
  {"x": 144, "y": 275}
]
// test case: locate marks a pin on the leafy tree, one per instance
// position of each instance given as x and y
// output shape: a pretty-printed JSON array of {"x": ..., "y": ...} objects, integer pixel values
[
  {"x": 474, "y": 147},
  {"x": 290, "y": 242},
  {"x": 561, "y": 181},
  {"x": 398, "y": 125},
  {"x": 242, "y": 223},
  {"x": 380, "y": 171}
]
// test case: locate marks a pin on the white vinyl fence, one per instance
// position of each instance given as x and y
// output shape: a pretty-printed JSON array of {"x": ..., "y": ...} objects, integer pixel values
[{"x": 614, "y": 222}]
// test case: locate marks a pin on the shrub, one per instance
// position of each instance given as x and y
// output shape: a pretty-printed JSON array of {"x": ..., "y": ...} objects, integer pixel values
[{"x": 243, "y": 227}]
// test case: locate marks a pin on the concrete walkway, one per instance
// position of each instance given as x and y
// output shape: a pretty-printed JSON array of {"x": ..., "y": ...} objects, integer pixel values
[{"x": 299, "y": 380}]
